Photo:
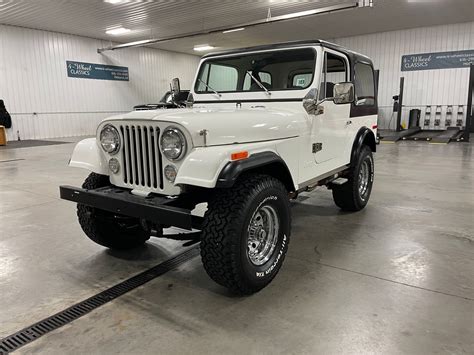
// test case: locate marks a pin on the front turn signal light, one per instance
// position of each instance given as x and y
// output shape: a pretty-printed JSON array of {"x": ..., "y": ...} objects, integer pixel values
[{"x": 239, "y": 155}]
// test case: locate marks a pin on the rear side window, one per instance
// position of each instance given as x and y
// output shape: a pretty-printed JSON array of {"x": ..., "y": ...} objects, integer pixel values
[{"x": 364, "y": 82}]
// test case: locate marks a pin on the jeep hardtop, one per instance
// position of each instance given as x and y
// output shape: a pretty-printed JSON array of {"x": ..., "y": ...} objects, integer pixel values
[{"x": 261, "y": 125}]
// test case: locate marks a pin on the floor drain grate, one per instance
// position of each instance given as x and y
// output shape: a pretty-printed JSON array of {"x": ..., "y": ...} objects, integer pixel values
[{"x": 33, "y": 332}]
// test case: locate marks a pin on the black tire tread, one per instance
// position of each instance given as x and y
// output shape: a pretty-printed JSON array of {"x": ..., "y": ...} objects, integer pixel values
[
  {"x": 345, "y": 196},
  {"x": 90, "y": 224},
  {"x": 221, "y": 226}
]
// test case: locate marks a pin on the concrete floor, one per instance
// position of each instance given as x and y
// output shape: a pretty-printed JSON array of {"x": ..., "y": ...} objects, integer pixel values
[{"x": 397, "y": 277}]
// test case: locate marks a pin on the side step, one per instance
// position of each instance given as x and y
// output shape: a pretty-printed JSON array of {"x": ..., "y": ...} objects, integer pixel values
[{"x": 339, "y": 181}]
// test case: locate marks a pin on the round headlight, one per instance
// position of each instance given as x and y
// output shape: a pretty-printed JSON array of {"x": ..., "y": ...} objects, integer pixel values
[
  {"x": 173, "y": 143},
  {"x": 110, "y": 139}
]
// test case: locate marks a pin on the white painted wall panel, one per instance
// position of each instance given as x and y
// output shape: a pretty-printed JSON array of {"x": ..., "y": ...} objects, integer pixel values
[
  {"x": 422, "y": 88},
  {"x": 33, "y": 79},
  {"x": 33, "y": 76}
]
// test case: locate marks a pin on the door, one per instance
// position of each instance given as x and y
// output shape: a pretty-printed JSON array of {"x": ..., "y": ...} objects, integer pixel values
[{"x": 330, "y": 128}]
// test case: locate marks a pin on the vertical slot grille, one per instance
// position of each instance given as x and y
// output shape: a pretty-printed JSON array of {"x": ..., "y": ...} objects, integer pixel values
[{"x": 142, "y": 163}]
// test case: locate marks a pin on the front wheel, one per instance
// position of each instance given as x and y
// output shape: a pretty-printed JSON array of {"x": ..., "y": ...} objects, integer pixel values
[
  {"x": 355, "y": 193},
  {"x": 246, "y": 233},
  {"x": 105, "y": 228}
]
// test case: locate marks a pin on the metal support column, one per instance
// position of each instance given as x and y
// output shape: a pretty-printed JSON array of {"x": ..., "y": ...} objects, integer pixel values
[
  {"x": 398, "y": 127},
  {"x": 469, "y": 112}
]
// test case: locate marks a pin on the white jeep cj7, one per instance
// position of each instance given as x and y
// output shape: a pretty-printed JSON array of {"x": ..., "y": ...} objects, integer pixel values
[{"x": 261, "y": 125}]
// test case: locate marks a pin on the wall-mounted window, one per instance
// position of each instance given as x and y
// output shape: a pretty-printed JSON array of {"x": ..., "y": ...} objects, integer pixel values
[{"x": 364, "y": 83}]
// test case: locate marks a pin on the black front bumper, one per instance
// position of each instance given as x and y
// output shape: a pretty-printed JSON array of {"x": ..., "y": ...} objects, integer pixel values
[{"x": 156, "y": 209}]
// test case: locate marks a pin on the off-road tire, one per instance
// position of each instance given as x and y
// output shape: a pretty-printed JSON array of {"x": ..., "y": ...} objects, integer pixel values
[
  {"x": 347, "y": 196},
  {"x": 225, "y": 232},
  {"x": 105, "y": 228}
]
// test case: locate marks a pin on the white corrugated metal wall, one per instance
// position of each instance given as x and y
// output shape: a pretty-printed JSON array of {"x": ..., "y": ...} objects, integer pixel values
[
  {"x": 33, "y": 76},
  {"x": 422, "y": 88},
  {"x": 33, "y": 79}
]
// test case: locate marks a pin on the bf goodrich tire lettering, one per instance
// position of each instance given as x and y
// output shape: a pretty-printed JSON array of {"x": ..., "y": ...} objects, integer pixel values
[{"x": 224, "y": 246}]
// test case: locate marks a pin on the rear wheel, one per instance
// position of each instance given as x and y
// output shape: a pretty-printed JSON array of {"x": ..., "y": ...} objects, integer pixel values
[
  {"x": 105, "y": 228},
  {"x": 246, "y": 233},
  {"x": 355, "y": 193}
]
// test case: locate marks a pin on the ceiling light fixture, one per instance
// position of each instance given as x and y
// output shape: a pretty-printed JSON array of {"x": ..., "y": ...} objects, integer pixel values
[
  {"x": 234, "y": 30},
  {"x": 143, "y": 41},
  {"x": 298, "y": 14},
  {"x": 117, "y": 31},
  {"x": 203, "y": 47},
  {"x": 114, "y": 1}
]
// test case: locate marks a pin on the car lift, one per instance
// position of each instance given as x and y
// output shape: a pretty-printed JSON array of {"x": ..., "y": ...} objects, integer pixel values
[
  {"x": 388, "y": 136},
  {"x": 455, "y": 134},
  {"x": 434, "y": 136}
]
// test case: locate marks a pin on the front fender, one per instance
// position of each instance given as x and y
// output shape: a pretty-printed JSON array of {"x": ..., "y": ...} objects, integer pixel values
[
  {"x": 203, "y": 165},
  {"x": 88, "y": 155}
]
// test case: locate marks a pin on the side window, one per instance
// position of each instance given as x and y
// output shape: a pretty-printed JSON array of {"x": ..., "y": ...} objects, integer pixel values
[
  {"x": 265, "y": 78},
  {"x": 364, "y": 85},
  {"x": 219, "y": 78},
  {"x": 334, "y": 71},
  {"x": 302, "y": 80}
]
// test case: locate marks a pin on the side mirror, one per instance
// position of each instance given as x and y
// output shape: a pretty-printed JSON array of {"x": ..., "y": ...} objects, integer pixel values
[
  {"x": 175, "y": 87},
  {"x": 343, "y": 93}
]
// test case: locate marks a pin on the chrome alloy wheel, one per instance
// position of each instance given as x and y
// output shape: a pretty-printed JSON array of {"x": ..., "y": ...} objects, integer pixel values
[
  {"x": 364, "y": 178},
  {"x": 262, "y": 235}
]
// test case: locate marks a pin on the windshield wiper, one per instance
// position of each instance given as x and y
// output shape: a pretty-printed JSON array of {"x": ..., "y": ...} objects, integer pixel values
[
  {"x": 258, "y": 83},
  {"x": 214, "y": 91}
]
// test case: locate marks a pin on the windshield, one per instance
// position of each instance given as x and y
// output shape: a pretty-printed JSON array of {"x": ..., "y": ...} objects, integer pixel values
[{"x": 277, "y": 70}]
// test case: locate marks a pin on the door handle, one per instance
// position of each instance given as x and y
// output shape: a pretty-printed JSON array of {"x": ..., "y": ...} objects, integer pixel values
[{"x": 348, "y": 122}]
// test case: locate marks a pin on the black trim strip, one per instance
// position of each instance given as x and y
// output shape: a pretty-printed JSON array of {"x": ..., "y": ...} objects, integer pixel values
[
  {"x": 244, "y": 101},
  {"x": 291, "y": 45},
  {"x": 37, "y": 330},
  {"x": 359, "y": 142},
  {"x": 361, "y": 111},
  {"x": 233, "y": 169}
]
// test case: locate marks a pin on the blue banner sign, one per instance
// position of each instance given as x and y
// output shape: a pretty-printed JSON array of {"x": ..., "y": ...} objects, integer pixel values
[
  {"x": 96, "y": 71},
  {"x": 440, "y": 60}
]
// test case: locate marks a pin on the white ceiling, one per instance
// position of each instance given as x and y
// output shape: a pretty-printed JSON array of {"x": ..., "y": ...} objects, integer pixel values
[{"x": 164, "y": 18}]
